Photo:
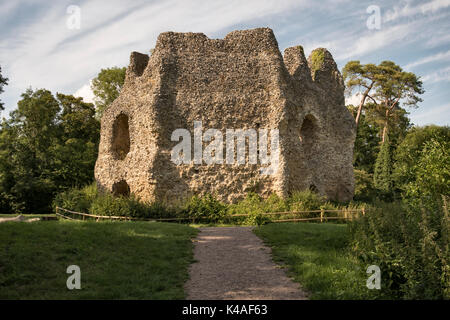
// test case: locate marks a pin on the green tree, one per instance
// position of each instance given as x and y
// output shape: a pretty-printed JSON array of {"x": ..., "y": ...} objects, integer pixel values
[
  {"x": 34, "y": 130},
  {"x": 47, "y": 145},
  {"x": 106, "y": 87},
  {"x": 357, "y": 76},
  {"x": 387, "y": 86},
  {"x": 422, "y": 163},
  {"x": 383, "y": 168},
  {"x": 370, "y": 129},
  {"x": 395, "y": 86},
  {"x": 366, "y": 143},
  {"x": 3, "y": 82},
  {"x": 76, "y": 153}
]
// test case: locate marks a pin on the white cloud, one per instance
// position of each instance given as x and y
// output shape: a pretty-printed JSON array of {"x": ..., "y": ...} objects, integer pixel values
[
  {"x": 354, "y": 99},
  {"x": 86, "y": 93},
  {"x": 46, "y": 54},
  {"x": 437, "y": 76},
  {"x": 437, "y": 115},
  {"x": 409, "y": 11},
  {"x": 441, "y": 56}
]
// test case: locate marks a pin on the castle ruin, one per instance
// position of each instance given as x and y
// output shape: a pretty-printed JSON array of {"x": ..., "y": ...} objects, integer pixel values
[{"x": 239, "y": 82}]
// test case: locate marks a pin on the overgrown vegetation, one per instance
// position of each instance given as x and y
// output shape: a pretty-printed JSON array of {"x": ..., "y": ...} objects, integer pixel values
[
  {"x": 408, "y": 237},
  {"x": 139, "y": 260},
  {"x": 317, "y": 59},
  {"x": 411, "y": 247},
  {"x": 197, "y": 209}
]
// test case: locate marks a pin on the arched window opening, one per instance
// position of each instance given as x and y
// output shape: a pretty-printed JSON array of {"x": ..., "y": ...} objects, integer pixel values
[
  {"x": 308, "y": 134},
  {"x": 121, "y": 188},
  {"x": 121, "y": 137}
]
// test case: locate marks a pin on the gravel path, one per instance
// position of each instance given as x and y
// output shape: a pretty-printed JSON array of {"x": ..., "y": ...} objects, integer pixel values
[{"x": 233, "y": 263}]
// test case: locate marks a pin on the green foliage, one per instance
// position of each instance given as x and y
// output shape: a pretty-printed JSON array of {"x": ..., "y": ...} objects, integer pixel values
[
  {"x": 3, "y": 82},
  {"x": 383, "y": 170},
  {"x": 75, "y": 199},
  {"x": 204, "y": 209},
  {"x": 388, "y": 87},
  {"x": 306, "y": 200},
  {"x": 370, "y": 131},
  {"x": 358, "y": 75},
  {"x": 48, "y": 145},
  {"x": 106, "y": 87},
  {"x": 411, "y": 247},
  {"x": 421, "y": 163},
  {"x": 366, "y": 143},
  {"x": 89, "y": 200},
  {"x": 432, "y": 171},
  {"x": 364, "y": 188},
  {"x": 317, "y": 59}
]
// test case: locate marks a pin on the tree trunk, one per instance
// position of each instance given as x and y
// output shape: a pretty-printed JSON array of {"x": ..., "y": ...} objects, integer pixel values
[
  {"x": 365, "y": 94},
  {"x": 385, "y": 128}
]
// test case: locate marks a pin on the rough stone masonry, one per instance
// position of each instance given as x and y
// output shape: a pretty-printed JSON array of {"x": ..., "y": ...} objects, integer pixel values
[{"x": 239, "y": 82}]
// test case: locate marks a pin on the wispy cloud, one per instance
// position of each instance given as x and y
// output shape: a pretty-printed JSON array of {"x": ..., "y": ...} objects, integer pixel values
[
  {"x": 438, "y": 76},
  {"x": 408, "y": 10},
  {"x": 36, "y": 47},
  {"x": 436, "y": 115},
  {"x": 441, "y": 56}
]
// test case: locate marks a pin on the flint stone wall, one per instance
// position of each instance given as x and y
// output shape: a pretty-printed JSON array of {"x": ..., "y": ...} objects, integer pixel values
[{"x": 239, "y": 82}]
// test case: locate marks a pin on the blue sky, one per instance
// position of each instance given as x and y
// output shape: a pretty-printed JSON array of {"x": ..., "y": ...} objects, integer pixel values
[{"x": 37, "y": 48}]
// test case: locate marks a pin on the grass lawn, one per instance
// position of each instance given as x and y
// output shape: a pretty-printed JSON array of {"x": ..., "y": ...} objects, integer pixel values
[
  {"x": 118, "y": 260},
  {"x": 318, "y": 257}
]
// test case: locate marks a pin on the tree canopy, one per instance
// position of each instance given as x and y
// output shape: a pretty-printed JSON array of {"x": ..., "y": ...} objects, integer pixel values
[
  {"x": 387, "y": 87},
  {"x": 106, "y": 87},
  {"x": 47, "y": 145}
]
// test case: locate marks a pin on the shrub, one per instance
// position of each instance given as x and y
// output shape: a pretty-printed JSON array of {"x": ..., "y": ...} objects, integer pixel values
[
  {"x": 411, "y": 247},
  {"x": 89, "y": 200},
  {"x": 76, "y": 199},
  {"x": 364, "y": 188},
  {"x": 308, "y": 200},
  {"x": 274, "y": 203},
  {"x": 205, "y": 208}
]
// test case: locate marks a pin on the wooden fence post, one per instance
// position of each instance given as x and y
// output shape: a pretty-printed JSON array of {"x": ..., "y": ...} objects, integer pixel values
[
  {"x": 363, "y": 211},
  {"x": 321, "y": 215}
]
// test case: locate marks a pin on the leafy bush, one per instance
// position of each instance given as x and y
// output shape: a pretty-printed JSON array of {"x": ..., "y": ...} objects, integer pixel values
[
  {"x": 411, "y": 247},
  {"x": 305, "y": 200},
  {"x": 204, "y": 209},
  {"x": 76, "y": 199},
  {"x": 421, "y": 163},
  {"x": 89, "y": 200},
  {"x": 364, "y": 188}
]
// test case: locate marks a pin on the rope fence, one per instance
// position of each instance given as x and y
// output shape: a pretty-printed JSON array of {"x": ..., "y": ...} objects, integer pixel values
[{"x": 347, "y": 214}]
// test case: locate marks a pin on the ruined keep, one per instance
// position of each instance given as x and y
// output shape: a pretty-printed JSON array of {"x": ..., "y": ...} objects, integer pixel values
[{"x": 239, "y": 82}]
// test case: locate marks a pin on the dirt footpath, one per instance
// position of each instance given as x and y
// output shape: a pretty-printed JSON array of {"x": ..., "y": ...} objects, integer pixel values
[{"x": 233, "y": 263}]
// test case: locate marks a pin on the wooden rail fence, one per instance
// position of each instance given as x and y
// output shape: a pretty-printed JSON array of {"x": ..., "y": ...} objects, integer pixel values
[{"x": 348, "y": 214}]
